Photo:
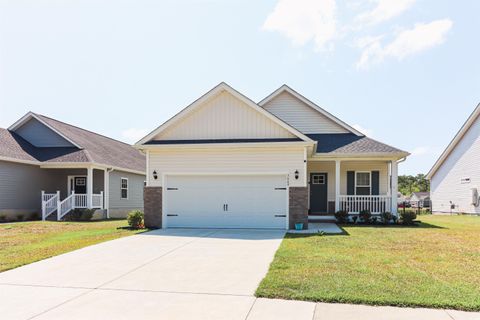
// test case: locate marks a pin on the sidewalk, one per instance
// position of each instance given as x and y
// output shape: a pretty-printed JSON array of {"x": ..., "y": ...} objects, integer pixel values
[{"x": 266, "y": 309}]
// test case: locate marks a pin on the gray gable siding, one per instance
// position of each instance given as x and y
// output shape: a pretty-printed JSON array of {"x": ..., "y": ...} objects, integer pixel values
[
  {"x": 40, "y": 135},
  {"x": 135, "y": 191}
]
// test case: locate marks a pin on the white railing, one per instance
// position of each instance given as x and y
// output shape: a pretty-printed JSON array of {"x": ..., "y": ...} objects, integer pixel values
[
  {"x": 49, "y": 203},
  {"x": 81, "y": 200},
  {"x": 66, "y": 206},
  {"x": 375, "y": 204},
  {"x": 97, "y": 200}
]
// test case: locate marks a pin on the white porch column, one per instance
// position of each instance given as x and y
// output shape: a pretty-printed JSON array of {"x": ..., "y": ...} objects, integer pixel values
[
  {"x": 394, "y": 188},
  {"x": 89, "y": 187},
  {"x": 106, "y": 183},
  {"x": 337, "y": 185}
]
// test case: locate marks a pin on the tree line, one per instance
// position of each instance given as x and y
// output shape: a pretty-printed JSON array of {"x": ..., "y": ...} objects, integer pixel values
[{"x": 408, "y": 184}]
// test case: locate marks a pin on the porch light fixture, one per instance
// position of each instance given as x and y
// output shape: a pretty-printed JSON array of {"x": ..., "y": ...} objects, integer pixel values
[
  {"x": 155, "y": 176},
  {"x": 296, "y": 174}
]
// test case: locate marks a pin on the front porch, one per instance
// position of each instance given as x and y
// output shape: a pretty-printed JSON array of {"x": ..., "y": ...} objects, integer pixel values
[
  {"x": 351, "y": 185},
  {"x": 72, "y": 188}
]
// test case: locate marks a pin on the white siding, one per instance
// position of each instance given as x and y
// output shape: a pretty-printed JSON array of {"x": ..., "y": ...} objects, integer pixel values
[
  {"x": 261, "y": 160},
  {"x": 300, "y": 116},
  {"x": 224, "y": 117},
  {"x": 463, "y": 162}
]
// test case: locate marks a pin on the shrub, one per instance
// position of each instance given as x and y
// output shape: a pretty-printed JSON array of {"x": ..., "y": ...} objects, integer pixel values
[
  {"x": 20, "y": 217},
  {"x": 3, "y": 217},
  {"x": 374, "y": 220},
  {"x": 354, "y": 219},
  {"x": 408, "y": 217},
  {"x": 386, "y": 217},
  {"x": 365, "y": 215},
  {"x": 34, "y": 216},
  {"x": 135, "y": 219},
  {"x": 341, "y": 216},
  {"x": 80, "y": 215}
]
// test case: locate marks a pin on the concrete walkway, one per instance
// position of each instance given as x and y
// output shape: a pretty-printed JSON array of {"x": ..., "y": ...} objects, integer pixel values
[{"x": 172, "y": 274}]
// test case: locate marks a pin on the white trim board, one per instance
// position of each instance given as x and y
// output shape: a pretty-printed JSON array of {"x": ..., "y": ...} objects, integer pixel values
[
  {"x": 285, "y": 88},
  {"x": 213, "y": 92}
]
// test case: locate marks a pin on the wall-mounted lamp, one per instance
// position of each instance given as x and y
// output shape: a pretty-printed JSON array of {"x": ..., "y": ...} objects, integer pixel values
[
  {"x": 296, "y": 174},
  {"x": 155, "y": 176}
]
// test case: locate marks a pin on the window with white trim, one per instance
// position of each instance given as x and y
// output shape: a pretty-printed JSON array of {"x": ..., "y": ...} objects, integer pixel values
[
  {"x": 124, "y": 188},
  {"x": 363, "y": 183},
  {"x": 318, "y": 179}
]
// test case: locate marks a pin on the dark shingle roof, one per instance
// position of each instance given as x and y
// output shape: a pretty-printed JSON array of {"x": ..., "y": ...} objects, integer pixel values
[
  {"x": 349, "y": 143},
  {"x": 95, "y": 148}
]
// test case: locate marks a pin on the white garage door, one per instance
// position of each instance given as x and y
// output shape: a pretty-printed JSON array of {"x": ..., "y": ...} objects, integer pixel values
[{"x": 246, "y": 201}]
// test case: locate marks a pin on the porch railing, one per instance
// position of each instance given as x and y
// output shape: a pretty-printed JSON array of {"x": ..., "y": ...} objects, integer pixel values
[
  {"x": 375, "y": 204},
  {"x": 51, "y": 203}
]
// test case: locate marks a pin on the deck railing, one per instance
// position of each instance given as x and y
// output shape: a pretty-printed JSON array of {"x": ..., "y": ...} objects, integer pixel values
[{"x": 356, "y": 204}]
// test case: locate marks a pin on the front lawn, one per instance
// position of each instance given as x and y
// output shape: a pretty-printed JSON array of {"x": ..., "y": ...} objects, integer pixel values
[
  {"x": 26, "y": 242},
  {"x": 436, "y": 264}
]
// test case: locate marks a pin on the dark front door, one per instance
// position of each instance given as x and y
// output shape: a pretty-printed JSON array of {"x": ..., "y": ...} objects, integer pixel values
[
  {"x": 80, "y": 184},
  {"x": 318, "y": 192}
]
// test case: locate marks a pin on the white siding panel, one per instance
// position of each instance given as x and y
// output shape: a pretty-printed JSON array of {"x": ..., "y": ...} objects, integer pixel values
[
  {"x": 301, "y": 116},
  {"x": 227, "y": 161},
  {"x": 224, "y": 117},
  {"x": 463, "y": 162}
]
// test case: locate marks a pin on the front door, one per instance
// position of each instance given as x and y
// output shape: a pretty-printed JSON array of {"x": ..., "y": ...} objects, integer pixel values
[
  {"x": 318, "y": 192},
  {"x": 80, "y": 185}
]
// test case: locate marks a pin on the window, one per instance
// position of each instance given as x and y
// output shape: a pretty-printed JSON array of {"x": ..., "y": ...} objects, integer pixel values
[
  {"x": 81, "y": 181},
  {"x": 318, "y": 179},
  {"x": 124, "y": 188},
  {"x": 363, "y": 184}
]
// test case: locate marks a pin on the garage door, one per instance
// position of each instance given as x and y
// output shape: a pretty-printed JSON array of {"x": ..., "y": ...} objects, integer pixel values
[{"x": 253, "y": 201}]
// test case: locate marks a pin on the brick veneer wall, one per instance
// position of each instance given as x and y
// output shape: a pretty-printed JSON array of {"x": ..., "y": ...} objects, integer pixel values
[
  {"x": 298, "y": 206},
  {"x": 152, "y": 203}
]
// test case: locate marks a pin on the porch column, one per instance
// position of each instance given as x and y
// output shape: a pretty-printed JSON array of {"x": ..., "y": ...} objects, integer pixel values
[
  {"x": 106, "y": 183},
  {"x": 337, "y": 185},
  {"x": 89, "y": 186},
  {"x": 394, "y": 189}
]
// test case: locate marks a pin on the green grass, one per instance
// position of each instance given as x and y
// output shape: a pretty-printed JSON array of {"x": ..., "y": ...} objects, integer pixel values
[
  {"x": 436, "y": 264},
  {"x": 26, "y": 242}
]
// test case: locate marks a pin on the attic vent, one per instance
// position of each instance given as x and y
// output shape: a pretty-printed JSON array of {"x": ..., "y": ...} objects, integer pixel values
[{"x": 465, "y": 180}]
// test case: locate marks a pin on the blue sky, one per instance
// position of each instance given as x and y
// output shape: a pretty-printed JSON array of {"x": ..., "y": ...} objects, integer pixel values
[{"x": 405, "y": 72}]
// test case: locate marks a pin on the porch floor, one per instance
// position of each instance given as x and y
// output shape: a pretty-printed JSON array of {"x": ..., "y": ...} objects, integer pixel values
[{"x": 313, "y": 228}]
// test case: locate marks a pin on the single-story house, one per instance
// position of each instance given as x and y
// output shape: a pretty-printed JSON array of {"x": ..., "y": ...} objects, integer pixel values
[
  {"x": 420, "y": 199},
  {"x": 227, "y": 162},
  {"x": 50, "y": 167},
  {"x": 455, "y": 177}
]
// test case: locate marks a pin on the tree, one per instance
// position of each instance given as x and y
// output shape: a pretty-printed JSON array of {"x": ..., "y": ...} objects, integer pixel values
[{"x": 407, "y": 184}]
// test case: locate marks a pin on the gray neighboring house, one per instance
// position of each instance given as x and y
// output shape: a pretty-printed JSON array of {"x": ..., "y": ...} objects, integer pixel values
[
  {"x": 420, "y": 199},
  {"x": 50, "y": 167}
]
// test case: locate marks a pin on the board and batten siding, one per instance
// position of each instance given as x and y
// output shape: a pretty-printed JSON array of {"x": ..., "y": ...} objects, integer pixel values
[
  {"x": 20, "y": 187},
  {"x": 301, "y": 116},
  {"x": 463, "y": 163},
  {"x": 135, "y": 191},
  {"x": 228, "y": 161},
  {"x": 40, "y": 135},
  {"x": 224, "y": 117}
]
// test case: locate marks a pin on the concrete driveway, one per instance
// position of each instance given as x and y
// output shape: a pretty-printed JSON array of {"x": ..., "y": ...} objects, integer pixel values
[
  {"x": 164, "y": 274},
  {"x": 173, "y": 274}
]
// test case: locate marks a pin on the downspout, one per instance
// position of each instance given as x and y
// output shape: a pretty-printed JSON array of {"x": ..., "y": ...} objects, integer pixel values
[{"x": 107, "y": 191}]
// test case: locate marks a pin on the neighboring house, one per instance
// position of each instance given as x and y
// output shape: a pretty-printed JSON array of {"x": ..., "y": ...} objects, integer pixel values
[
  {"x": 52, "y": 167},
  {"x": 420, "y": 199},
  {"x": 226, "y": 161},
  {"x": 455, "y": 177}
]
